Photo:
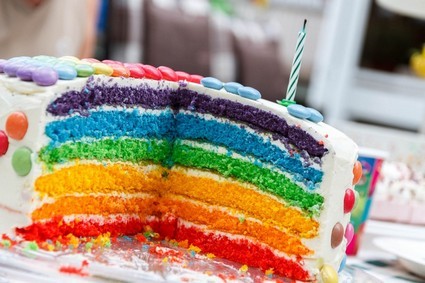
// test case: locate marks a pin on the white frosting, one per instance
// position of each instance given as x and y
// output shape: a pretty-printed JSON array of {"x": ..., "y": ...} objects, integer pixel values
[{"x": 18, "y": 198}]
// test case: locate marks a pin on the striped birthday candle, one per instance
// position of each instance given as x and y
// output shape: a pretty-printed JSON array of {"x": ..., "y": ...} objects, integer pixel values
[{"x": 296, "y": 65}]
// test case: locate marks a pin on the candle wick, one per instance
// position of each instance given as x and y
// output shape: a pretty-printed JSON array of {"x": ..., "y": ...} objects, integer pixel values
[{"x": 305, "y": 23}]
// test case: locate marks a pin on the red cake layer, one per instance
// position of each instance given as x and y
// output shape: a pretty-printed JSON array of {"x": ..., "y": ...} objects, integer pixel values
[{"x": 239, "y": 250}]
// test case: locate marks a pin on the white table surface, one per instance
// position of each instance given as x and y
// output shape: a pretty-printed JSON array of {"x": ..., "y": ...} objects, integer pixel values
[{"x": 379, "y": 263}]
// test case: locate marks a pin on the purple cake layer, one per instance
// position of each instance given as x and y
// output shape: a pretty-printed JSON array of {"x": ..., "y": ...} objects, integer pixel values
[{"x": 95, "y": 95}]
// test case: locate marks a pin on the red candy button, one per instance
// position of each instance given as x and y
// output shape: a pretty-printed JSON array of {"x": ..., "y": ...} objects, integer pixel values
[
  {"x": 168, "y": 74},
  {"x": 136, "y": 71},
  {"x": 183, "y": 76},
  {"x": 17, "y": 125},
  {"x": 152, "y": 72},
  {"x": 349, "y": 200},
  {"x": 4, "y": 143},
  {"x": 195, "y": 78},
  {"x": 357, "y": 172}
]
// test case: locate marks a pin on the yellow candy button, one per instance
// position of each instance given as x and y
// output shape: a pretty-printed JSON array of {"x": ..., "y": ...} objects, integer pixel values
[
  {"x": 328, "y": 273},
  {"x": 70, "y": 58},
  {"x": 102, "y": 69}
]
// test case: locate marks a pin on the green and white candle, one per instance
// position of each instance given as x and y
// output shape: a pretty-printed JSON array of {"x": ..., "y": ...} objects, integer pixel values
[{"x": 296, "y": 65}]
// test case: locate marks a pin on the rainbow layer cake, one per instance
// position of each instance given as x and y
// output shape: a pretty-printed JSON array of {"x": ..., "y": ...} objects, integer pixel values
[{"x": 89, "y": 147}]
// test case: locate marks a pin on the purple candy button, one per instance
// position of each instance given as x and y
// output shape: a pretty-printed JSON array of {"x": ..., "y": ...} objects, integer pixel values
[
  {"x": 11, "y": 67},
  {"x": 25, "y": 72},
  {"x": 2, "y": 64},
  {"x": 45, "y": 76}
]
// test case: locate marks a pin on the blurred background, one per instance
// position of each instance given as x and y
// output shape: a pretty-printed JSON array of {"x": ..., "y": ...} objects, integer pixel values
[{"x": 363, "y": 65}]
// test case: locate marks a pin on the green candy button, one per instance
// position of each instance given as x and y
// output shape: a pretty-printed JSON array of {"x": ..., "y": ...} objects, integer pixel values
[
  {"x": 21, "y": 161},
  {"x": 84, "y": 70}
]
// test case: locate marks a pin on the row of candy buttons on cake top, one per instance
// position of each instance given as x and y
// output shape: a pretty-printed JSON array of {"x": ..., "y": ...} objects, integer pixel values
[
  {"x": 16, "y": 128},
  {"x": 231, "y": 87},
  {"x": 46, "y": 70}
]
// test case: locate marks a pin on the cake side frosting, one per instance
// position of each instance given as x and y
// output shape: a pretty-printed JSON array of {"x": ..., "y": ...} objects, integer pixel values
[{"x": 246, "y": 163}]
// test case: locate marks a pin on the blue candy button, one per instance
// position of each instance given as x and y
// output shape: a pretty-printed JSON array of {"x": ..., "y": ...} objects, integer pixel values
[
  {"x": 315, "y": 116},
  {"x": 249, "y": 92},
  {"x": 232, "y": 87},
  {"x": 298, "y": 111},
  {"x": 211, "y": 82},
  {"x": 343, "y": 262},
  {"x": 65, "y": 72}
]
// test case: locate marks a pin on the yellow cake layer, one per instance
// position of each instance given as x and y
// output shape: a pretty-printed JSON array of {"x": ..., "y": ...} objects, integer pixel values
[
  {"x": 212, "y": 218},
  {"x": 98, "y": 178},
  {"x": 127, "y": 178}
]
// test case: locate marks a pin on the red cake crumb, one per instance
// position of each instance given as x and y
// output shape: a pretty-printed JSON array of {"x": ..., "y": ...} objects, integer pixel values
[{"x": 75, "y": 270}]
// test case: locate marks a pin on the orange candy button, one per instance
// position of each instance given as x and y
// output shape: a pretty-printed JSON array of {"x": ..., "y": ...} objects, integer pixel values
[
  {"x": 357, "y": 172},
  {"x": 17, "y": 125}
]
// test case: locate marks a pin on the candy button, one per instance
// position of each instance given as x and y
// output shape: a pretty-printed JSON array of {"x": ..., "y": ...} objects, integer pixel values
[
  {"x": 118, "y": 68},
  {"x": 232, "y": 87},
  {"x": 2, "y": 64},
  {"x": 70, "y": 59},
  {"x": 65, "y": 72},
  {"x": 337, "y": 235},
  {"x": 168, "y": 74},
  {"x": 84, "y": 70},
  {"x": 11, "y": 67},
  {"x": 45, "y": 76},
  {"x": 211, "y": 82},
  {"x": 342, "y": 265},
  {"x": 17, "y": 125},
  {"x": 90, "y": 60},
  {"x": 45, "y": 58},
  {"x": 183, "y": 76},
  {"x": 349, "y": 200},
  {"x": 349, "y": 233},
  {"x": 357, "y": 172},
  {"x": 25, "y": 72},
  {"x": 19, "y": 59},
  {"x": 328, "y": 274},
  {"x": 66, "y": 62},
  {"x": 298, "y": 111},
  {"x": 249, "y": 92},
  {"x": 136, "y": 71},
  {"x": 315, "y": 116},
  {"x": 120, "y": 71},
  {"x": 151, "y": 72},
  {"x": 21, "y": 161},
  {"x": 102, "y": 69},
  {"x": 36, "y": 63},
  {"x": 4, "y": 143},
  {"x": 112, "y": 62},
  {"x": 195, "y": 79}
]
